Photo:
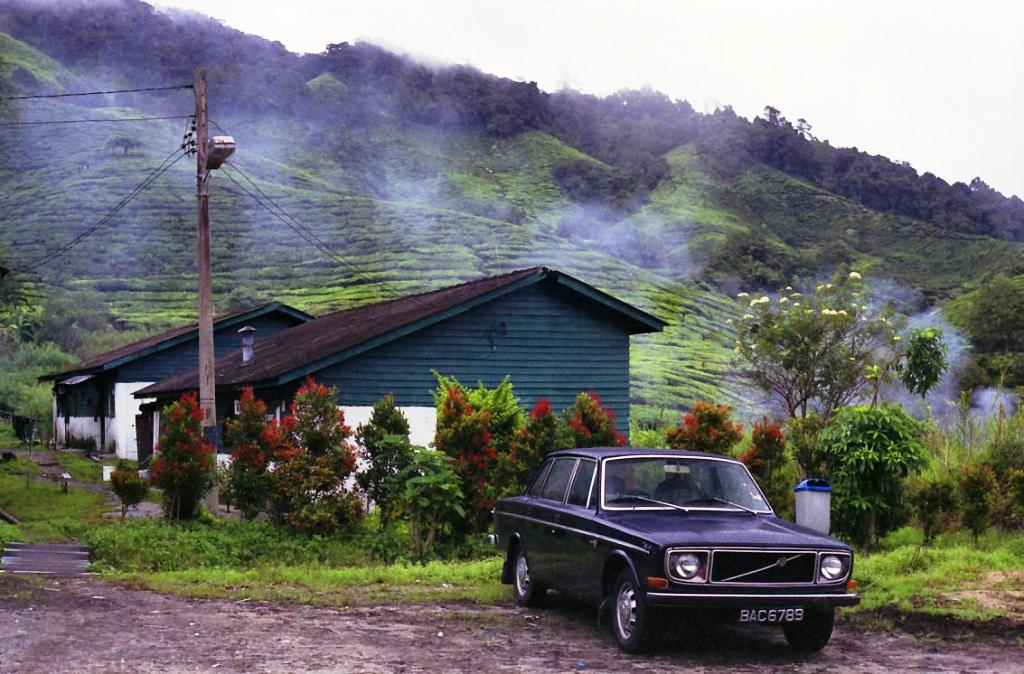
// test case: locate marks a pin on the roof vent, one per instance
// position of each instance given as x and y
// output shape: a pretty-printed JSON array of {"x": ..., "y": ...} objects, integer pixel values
[{"x": 248, "y": 334}]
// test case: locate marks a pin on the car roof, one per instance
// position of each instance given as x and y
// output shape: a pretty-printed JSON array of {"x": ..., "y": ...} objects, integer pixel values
[{"x": 617, "y": 452}]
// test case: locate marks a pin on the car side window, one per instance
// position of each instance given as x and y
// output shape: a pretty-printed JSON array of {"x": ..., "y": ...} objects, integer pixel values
[
  {"x": 558, "y": 479},
  {"x": 538, "y": 479},
  {"x": 580, "y": 491}
]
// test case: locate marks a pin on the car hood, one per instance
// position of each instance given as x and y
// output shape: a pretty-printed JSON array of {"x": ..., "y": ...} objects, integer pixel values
[{"x": 727, "y": 529}]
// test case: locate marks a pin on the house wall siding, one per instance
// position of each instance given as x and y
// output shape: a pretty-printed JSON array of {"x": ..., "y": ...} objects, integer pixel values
[{"x": 549, "y": 343}]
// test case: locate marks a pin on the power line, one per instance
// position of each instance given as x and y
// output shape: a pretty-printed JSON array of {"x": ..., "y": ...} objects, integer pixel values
[
  {"x": 98, "y": 93},
  {"x": 95, "y": 120},
  {"x": 164, "y": 166},
  {"x": 303, "y": 231}
]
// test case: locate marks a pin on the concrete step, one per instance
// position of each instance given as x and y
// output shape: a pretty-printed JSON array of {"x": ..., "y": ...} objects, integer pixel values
[{"x": 58, "y": 559}]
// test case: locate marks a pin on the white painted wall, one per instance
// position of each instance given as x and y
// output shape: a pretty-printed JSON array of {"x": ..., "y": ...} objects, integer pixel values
[
  {"x": 422, "y": 421},
  {"x": 125, "y": 408},
  {"x": 120, "y": 429},
  {"x": 84, "y": 427}
]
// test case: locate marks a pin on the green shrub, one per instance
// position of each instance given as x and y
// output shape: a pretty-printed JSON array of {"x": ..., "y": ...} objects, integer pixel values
[
  {"x": 386, "y": 451},
  {"x": 1017, "y": 492},
  {"x": 934, "y": 502},
  {"x": 706, "y": 428},
  {"x": 805, "y": 443},
  {"x": 869, "y": 453},
  {"x": 977, "y": 498},
  {"x": 431, "y": 499},
  {"x": 148, "y": 545}
]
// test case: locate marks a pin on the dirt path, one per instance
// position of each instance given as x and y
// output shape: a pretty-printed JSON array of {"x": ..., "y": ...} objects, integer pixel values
[{"x": 90, "y": 625}]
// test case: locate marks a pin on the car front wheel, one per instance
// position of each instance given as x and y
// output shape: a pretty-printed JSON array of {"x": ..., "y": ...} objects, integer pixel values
[
  {"x": 527, "y": 591},
  {"x": 812, "y": 633},
  {"x": 629, "y": 614}
]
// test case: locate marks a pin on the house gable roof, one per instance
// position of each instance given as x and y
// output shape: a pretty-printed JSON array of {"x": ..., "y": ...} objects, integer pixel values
[
  {"x": 128, "y": 353},
  {"x": 336, "y": 337}
]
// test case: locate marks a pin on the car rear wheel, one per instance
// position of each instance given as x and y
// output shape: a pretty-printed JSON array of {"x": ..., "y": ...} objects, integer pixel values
[
  {"x": 630, "y": 622},
  {"x": 528, "y": 592},
  {"x": 812, "y": 633}
]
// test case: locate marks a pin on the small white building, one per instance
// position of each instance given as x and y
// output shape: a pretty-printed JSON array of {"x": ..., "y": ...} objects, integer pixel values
[{"x": 94, "y": 405}]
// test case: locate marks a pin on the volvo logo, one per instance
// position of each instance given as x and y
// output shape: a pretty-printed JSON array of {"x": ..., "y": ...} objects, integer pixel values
[{"x": 781, "y": 562}]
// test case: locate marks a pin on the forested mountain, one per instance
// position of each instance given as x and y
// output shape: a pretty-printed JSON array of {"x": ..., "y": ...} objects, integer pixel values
[{"x": 421, "y": 175}]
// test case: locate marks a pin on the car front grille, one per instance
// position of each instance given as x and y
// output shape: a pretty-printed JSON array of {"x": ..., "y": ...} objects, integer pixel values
[{"x": 763, "y": 567}]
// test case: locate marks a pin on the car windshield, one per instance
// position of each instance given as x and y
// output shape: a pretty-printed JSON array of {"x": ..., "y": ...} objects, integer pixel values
[{"x": 664, "y": 482}]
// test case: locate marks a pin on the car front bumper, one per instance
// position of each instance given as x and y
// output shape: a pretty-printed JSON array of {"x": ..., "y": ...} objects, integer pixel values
[{"x": 745, "y": 600}]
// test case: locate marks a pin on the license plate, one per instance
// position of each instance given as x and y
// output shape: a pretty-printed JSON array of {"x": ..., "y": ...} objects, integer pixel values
[{"x": 771, "y": 615}]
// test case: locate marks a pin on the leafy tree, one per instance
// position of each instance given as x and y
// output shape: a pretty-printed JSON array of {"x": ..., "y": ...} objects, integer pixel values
[
  {"x": 923, "y": 360},
  {"x": 934, "y": 501},
  {"x": 432, "y": 497},
  {"x": 386, "y": 451},
  {"x": 977, "y": 498},
  {"x": 706, "y": 428},
  {"x": 129, "y": 487},
  {"x": 183, "y": 467},
  {"x": 248, "y": 480},
  {"x": 591, "y": 424},
  {"x": 313, "y": 459},
  {"x": 813, "y": 352},
  {"x": 869, "y": 453}
]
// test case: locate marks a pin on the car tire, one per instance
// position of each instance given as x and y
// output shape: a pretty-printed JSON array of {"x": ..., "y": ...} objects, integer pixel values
[
  {"x": 528, "y": 592},
  {"x": 630, "y": 614},
  {"x": 812, "y": 633}
]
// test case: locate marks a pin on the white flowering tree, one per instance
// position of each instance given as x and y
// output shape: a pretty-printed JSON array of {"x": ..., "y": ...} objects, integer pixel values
[{"x": 817, "y": 351}]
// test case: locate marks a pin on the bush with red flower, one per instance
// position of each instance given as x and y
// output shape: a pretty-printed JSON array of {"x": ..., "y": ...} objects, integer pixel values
[
  {"x": 766, "y": 458},
  {"x": 463, "y": 435},
  {"x": 706, "y": 428},
  {"x": 183, "y": 467},
  {"x": 540, "y": 434},
  {"x": 248, "y": 479},
  {"x": 591, "y": 424},
  {"x": 313, "y": 458}
]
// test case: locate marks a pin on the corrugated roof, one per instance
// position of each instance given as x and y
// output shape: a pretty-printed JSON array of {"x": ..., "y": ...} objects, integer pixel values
[
  {"x": 333, "y": 337},
  {"x": 163, "y": 340}
]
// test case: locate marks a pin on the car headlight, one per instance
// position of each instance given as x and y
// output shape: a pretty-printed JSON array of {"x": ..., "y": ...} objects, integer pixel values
[
  {"x": 832, "y": 567},
  {"x": 686, "y": 566}
]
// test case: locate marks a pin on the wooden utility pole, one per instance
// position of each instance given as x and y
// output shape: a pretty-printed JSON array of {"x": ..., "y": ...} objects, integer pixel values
[{"x": 207, "y": 382}]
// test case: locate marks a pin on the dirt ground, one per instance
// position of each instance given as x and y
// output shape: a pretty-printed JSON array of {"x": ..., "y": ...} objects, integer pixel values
[{"x": 84, "y": 624}]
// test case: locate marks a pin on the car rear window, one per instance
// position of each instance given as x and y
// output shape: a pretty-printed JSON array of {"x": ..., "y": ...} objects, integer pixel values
[
  {"x": 558, "y": 479},
  {"x": 538, "y": 479},
  {"x": 580, "y": 491}
]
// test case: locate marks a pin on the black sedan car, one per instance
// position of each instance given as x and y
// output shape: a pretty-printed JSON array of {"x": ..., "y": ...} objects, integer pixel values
[{"x": 641, "y": 531}]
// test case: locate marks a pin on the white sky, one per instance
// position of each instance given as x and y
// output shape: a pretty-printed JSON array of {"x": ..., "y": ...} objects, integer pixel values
[{"x": 938, "y": 83}]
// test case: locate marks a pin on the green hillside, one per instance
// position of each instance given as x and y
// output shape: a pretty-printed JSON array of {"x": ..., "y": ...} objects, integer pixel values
[{"x": 422, "y": 178}]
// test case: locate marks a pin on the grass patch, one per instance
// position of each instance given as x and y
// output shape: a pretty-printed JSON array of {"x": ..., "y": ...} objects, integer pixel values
[
  {"x": 475, "y": 581},
  {"x": 951, "y": 577},
  {"x": 45, "y": 511}
]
